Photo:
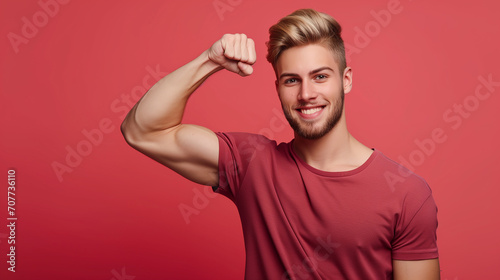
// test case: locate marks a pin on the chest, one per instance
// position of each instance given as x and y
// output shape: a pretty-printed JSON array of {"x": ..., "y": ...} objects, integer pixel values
[{"x": 348, "y": 211}]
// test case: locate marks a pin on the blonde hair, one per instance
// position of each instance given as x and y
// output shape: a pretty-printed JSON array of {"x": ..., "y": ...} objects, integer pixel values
[{"x": 303, "y": 27}]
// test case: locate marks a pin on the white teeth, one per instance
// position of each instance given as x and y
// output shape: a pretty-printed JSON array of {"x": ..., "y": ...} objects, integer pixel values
[{"x": 310, "y": 111}]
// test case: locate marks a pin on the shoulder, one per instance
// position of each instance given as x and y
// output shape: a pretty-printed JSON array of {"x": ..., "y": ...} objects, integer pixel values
[
  {"x": 401, "y": 179},
  {"x": 411, "y": 194}
]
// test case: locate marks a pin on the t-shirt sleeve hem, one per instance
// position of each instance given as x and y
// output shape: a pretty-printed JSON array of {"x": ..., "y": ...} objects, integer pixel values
[
  {"x": 415, "y": 256},
  {"x": 223, "y": 186}
]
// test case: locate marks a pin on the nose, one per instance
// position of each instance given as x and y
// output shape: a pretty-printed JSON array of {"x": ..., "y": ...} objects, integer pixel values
[{"x": 307, "y": 91}]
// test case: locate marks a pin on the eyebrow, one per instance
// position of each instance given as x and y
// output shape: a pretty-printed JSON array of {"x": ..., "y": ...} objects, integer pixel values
[{"x": 310, "y": 73}]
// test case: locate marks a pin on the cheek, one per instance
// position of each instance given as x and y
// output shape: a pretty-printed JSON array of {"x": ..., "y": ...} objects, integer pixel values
[
  {"x": 286, "y": 94},
  {"x": 333, "y": 89}
]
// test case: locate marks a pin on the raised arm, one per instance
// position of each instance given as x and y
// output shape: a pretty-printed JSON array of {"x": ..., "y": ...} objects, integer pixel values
[{"x": 154, "y": 125}]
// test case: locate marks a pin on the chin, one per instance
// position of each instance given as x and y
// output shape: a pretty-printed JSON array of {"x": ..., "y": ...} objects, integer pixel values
[
  {"x": 312, "y": 134},
  {"x": 313, "y": 130},
  {"x": 310, "y": 130}
]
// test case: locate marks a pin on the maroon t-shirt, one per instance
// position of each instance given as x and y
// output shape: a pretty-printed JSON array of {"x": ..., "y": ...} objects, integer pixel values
[{"x": 303, "y": 223}]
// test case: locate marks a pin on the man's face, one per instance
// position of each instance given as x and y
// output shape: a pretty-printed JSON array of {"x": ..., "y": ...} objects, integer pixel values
[{"x": 311, "y": 89}]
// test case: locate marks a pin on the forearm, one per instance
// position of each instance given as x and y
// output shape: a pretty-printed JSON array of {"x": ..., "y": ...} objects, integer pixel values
[
  {"x": 153, "y": 126},
  {"x": 163, "y": 105}
]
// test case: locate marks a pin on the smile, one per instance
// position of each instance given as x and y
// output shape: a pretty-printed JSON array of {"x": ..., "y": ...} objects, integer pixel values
[{"x": 310, "y": 113}]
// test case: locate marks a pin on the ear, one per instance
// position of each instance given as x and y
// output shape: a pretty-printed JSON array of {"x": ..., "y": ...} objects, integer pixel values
[
  {"x": 276, "y": 84},
  {"x": 347, "y": 79}
]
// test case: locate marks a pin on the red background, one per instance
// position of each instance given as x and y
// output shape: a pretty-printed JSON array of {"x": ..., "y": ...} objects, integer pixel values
[{"x": 116, "y": 214}]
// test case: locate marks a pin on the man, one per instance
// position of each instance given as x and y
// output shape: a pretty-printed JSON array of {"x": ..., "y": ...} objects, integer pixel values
[{"x": 323, "y": 206}]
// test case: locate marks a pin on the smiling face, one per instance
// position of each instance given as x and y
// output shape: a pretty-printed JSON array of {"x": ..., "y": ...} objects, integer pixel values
[{"x": 311, "y": 89}]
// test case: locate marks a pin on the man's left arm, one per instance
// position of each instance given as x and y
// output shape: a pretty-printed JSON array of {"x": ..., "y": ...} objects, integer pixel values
[{"x": 416, "y": 270}]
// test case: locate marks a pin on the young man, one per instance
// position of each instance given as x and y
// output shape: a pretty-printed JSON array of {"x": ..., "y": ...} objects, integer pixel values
[{"x": 322, "y": 206}]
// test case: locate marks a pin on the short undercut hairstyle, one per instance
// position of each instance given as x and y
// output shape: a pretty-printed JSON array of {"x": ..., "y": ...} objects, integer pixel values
[{"x": 303, "y": 27}]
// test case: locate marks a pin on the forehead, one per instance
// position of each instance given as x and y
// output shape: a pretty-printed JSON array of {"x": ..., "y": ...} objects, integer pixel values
[{"x": 300, "y": 60}]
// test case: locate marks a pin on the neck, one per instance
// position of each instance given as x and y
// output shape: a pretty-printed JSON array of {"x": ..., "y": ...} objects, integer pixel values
[{"x": 336, "y": 151}]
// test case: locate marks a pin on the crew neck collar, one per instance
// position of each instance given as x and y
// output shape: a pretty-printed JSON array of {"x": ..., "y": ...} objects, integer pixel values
[{"x": 333, "y": 173}]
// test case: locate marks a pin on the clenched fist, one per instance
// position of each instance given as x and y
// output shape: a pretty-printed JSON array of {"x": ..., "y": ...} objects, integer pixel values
[{"x": 234, "y": 52}]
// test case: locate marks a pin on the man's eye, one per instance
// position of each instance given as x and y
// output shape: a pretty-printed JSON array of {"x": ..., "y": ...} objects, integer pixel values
[
  {"x": 290, "y": 81},
  {"x": 321, "y": 77}
]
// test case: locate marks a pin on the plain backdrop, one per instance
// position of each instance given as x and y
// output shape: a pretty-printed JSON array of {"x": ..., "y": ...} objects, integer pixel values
[{"x": 425, "y": 93}]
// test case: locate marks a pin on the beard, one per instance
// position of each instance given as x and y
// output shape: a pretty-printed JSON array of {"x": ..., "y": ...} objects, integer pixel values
[{"x": 308, "y": 130}]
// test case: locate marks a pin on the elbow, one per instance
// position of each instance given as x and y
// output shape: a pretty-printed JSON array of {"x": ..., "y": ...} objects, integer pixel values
[
  {"x": 127, "y": 134},
  {"x": 135, "y": 137},
  {"x": 130, "y": 130},
  {"x": 123, "y": 129},
  {"x": 134, "y": 134}
]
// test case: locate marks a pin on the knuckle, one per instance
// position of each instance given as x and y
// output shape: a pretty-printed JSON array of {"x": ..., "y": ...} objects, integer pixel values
[{"x": 227, "y": 38}]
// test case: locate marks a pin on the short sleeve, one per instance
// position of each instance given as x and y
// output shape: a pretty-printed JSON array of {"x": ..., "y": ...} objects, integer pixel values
[
  {"x": 236, "y": 150},
  {"x": 415, "y": 236}
]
